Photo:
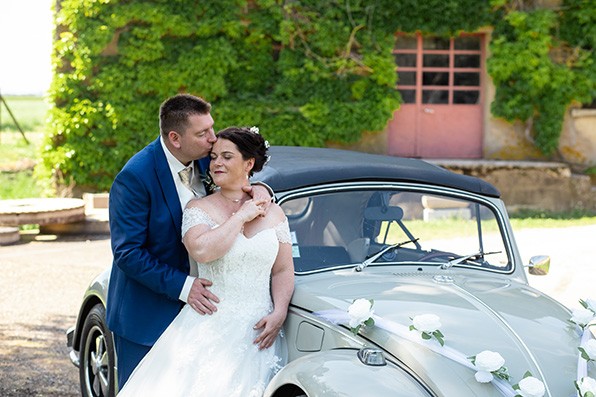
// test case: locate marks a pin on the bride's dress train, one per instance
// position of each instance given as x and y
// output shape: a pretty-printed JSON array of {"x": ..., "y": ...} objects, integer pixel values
[{"x": 214, "y": 355}]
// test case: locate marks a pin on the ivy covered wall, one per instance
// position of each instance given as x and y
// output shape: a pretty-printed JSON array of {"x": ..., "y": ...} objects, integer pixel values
[{"x": 306, "y": 72}]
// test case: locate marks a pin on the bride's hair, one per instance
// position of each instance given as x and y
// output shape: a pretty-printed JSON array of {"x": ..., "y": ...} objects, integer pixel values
[{"x": 249, "y": 143}]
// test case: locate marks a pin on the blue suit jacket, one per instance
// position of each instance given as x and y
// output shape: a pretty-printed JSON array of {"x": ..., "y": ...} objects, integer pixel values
[{"x": 150, "y": 262}]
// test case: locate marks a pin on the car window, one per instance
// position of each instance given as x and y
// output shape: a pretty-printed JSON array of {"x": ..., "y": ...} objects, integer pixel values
[{"x": 346, "y": 227}]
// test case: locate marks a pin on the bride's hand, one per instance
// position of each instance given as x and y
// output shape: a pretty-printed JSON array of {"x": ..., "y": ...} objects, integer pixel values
[
  {"x": 271, "y": 325},
  {"x": 260, "y": 192},
  {"x": 251, "y": 209}
]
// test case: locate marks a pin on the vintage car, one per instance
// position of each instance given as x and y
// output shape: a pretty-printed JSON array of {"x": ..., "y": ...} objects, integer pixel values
[{"x": 435, "y": 254}]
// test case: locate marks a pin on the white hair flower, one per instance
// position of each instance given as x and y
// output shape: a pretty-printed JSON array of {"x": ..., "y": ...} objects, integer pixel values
[{"x": 254, "y": 129}]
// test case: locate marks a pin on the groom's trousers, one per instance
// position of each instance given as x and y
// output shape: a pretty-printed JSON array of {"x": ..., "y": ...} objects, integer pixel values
[{"x": 129, "y": 355}]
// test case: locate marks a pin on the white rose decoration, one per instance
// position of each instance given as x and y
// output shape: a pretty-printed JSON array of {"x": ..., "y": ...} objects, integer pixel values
[
  {"x": 591, "y": 303},
  {"x": 531, "y": 387},
  {"x": 586, "y": 385},
  {"x": 582, "y": 316},
  {"x": 360, "y": 311},
  {"x": 590, "y": 349},
  {"x": 485, "y": 363},
  {"x": 427, "y": 323}
]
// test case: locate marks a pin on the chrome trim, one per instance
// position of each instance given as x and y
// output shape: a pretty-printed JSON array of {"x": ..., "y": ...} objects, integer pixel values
[
  {"x": 69, "y": 336},
  {"x": 518, "y": 338},
  {"x": 539, "y": 265},
  {"x": 371, "y": 356},
  {"x": 74, "y": 358}
]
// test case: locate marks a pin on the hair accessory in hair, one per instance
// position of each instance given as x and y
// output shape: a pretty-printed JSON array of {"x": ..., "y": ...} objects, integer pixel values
[{"x": 254, "y": 130}]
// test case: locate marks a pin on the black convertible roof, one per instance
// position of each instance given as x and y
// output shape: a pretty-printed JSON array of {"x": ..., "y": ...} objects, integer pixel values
[{"x": 293, "y": 167}]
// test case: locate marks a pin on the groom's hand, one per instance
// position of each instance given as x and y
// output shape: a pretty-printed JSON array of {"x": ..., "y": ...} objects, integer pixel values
[{"x": 200, "y": 298}]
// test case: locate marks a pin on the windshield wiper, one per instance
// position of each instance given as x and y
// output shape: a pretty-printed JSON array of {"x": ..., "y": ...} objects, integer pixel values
[
  {"x": 359, "y": 267},
  {"x": 458, "y": 260}
]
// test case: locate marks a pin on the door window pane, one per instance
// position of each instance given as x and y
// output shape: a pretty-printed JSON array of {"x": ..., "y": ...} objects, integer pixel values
[
  {"x": 467, "y": 43},
  {"x": 405, "y": 43},
  {"x": 468, "y": 79},
  {"x": 405, "y": 60},
  {"x": 467, "y": 61},
  {"x": 466, "y": 97},
  {"x": 436, "y": 60},
  {"x": 435, "y": 78},
  {"x": 435, "y": 96},
  {"x": 406, "y": 78},
  {"x": 435, "y": 43},
  {"x": 408, "y": 96}
]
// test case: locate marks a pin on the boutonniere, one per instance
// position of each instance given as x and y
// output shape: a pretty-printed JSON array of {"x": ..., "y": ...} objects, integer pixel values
[{"x": 208, "y": 182}]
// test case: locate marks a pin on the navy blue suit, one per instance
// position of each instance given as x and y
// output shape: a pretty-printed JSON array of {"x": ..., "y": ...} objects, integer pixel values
[{"x": 150, "y": 262}]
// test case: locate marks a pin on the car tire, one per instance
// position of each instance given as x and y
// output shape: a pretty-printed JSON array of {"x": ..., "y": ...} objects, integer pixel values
[{"x": 97, "y": 357}]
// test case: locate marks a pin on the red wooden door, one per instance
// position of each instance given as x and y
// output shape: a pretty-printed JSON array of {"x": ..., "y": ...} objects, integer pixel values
[{"x": 440, "y": 81}]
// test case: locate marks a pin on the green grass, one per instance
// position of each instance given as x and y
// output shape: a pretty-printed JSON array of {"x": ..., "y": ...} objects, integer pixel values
[
  {"x": 17, "y": 185},
  {"x": 30, "y": 113},
  {"x": 542, "y": 219},
  {"x": 17, "y": 157}
]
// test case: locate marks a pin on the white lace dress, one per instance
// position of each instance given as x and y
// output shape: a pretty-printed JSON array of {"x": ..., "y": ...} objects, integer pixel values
[{"x": 215, "y": 355}]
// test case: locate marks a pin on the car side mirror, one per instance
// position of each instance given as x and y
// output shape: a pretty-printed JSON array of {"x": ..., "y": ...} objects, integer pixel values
[{"x": 539, "y": 265}]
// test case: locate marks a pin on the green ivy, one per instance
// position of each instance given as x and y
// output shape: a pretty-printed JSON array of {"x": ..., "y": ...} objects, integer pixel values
[
  {"x": 307, "y": 72},
  {"x": 541, "y": 63}
]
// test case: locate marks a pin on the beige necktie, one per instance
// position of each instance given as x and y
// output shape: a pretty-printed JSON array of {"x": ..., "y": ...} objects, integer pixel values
[{"x": 185, "y": 175}]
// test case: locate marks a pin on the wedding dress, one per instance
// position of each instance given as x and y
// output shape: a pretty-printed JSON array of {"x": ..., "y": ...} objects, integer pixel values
[{"x": 214, "y": 355}]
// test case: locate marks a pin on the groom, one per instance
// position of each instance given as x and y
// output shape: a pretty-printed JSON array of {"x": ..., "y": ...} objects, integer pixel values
[{"x": 150, "y": 278}]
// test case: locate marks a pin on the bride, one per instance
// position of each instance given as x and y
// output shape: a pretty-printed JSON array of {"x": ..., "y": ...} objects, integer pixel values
[{"x": 246, "y": 252}]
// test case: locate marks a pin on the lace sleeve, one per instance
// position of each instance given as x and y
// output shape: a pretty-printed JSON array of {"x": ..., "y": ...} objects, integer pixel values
[
  {"x": 282, "y": 231},
  {"x": 195, "y": 216}
]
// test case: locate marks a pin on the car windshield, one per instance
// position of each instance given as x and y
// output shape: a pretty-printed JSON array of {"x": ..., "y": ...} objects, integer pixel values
[{"x": 353, "y": 227}]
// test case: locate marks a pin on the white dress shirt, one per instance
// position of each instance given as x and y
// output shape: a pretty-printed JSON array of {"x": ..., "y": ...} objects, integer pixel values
[{"x": 185, "y": 195}]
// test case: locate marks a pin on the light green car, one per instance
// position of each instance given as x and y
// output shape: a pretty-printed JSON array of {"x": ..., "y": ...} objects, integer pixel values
[{"x": 427, "y": 255}]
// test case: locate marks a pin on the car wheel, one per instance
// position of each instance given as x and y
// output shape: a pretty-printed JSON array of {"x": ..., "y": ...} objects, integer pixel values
[{"x": 96, "y": 369}]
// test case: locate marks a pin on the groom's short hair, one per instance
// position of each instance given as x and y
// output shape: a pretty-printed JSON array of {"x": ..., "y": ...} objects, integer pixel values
[{"x": 175, "y": 111}]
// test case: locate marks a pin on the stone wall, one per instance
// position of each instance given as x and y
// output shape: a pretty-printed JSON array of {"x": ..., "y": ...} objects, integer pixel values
[{"x": 542, "y": 186}]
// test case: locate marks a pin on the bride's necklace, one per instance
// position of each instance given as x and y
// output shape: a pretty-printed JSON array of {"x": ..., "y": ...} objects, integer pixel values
[{"x": 235, "y": 201}]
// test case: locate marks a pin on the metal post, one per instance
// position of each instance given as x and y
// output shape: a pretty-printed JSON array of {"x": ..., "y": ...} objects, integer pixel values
[{"x": 13, "y": 118}]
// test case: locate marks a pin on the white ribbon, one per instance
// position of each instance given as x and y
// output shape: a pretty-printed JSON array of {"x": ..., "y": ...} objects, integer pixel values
[{"x": 339, "y": 317}]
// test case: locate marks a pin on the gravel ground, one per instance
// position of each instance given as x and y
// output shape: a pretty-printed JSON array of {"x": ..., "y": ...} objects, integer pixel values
[
  {"x": 41, "y": 286},
  {"x": 43, "y": 280}
]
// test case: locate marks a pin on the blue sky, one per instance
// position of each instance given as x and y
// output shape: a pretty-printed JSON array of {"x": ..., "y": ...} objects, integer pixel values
[{"x": 26, "y": 29}]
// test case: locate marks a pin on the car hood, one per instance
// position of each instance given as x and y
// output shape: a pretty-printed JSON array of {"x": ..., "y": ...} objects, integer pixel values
[{"x": 529, "y": 329}]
